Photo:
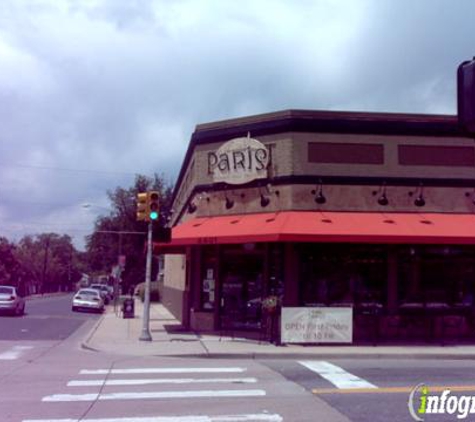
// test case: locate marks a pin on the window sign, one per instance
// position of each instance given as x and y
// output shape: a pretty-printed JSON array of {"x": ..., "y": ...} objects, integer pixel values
[
  {"x": 317, "y": 325},
  {"x": 208, "y": 285},
  {"x": 238, "y": 161},
  {"x": 207, "y": 291}
]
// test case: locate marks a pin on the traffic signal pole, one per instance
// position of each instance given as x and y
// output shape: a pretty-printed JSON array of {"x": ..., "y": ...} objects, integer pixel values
[{"x": 146, "y": 336}]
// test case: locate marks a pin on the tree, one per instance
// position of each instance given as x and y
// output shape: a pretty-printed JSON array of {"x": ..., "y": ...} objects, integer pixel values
[
  {"x": 120, "y": 234},
  {"x": 49, "y": 260},
  {"x": 9, "y": 266}
]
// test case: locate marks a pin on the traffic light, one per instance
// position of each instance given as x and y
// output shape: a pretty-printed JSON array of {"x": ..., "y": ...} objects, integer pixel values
[
  {"x": 148, "y": 206},
  {"x": 142, "y": 206},
  {"x": 154, "y": 205}
]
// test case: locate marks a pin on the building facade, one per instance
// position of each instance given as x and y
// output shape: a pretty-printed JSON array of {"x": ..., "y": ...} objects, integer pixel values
[{"x": 361, "y": 222}]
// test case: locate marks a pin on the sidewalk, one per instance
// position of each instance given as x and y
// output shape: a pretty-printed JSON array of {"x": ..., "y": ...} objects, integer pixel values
[{"x": 116, "y": 335}]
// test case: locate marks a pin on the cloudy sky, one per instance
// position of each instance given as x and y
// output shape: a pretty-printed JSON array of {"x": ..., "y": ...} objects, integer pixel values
[{"x": 94, "y": 91}]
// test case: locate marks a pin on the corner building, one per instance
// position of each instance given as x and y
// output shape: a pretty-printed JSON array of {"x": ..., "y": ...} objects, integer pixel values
[{"x": 367, "y": 213}]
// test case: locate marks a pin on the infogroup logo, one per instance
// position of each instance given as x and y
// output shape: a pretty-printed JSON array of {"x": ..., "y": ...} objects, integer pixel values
[{"x": 422, "y": 402}]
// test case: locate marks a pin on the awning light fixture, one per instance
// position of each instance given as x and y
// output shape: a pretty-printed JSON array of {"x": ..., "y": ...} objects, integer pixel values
[
  {"x": 382, "y": 199},
  {"x": 264, "y": 201},
  {"x": 191, "y": 207},
  {"x": 320, "y": 198},
  {"x": 420, "y": 200},
  {"x": 229, "y": 203}
]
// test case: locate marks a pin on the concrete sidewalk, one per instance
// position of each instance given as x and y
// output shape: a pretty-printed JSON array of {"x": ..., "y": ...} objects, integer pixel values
[{"x": 116, "y": 335}]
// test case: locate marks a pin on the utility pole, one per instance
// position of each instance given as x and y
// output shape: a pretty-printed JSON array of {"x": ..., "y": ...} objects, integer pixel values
[
  {"x": 45, "y": 265},
  {"x": 146, "y": 336},
  {"x": 69, "y": 287}
]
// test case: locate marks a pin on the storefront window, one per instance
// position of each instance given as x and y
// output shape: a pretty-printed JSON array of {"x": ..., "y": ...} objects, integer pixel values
[
  {"x": 342, "y": 275},
  {"x": 436, "y": 274}
]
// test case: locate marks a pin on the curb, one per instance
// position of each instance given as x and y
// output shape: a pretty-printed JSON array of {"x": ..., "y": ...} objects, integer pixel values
[
  {"x": 325, "y": 356},
  {"x": 85, "y": 344}
]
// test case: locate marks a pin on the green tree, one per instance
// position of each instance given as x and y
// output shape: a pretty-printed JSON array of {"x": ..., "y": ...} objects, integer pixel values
[
  {"x": 9, "y": 266},
  {"x": 50, "y": 261},
  {"x": 118, "y": 233}
]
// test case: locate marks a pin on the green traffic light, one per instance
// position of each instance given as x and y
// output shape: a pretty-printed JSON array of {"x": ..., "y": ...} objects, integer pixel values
[{"x": 153, "y": 215}]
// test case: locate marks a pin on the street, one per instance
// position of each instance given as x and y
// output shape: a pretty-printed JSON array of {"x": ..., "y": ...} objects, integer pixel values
[
  {"x": 45, "y": 375},
  {"x": 390, "y": 383},
  {"x": 47, "y": 319}
]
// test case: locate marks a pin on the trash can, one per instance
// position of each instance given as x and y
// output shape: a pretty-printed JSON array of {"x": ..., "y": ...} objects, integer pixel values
[{"x": 128, "y": 308}]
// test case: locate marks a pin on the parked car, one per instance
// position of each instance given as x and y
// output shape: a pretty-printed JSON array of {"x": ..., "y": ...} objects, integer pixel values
[
  {"x": 104, "y": 290},
  {"x": 11, "y": 301},
  {"x": 88, "y": 299}
]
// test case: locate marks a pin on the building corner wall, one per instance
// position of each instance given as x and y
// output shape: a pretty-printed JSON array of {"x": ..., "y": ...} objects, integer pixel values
[{"x": 174, "y": 285}]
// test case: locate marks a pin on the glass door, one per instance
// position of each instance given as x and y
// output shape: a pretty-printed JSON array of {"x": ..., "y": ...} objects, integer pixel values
[{"x": 242, "y": 288}]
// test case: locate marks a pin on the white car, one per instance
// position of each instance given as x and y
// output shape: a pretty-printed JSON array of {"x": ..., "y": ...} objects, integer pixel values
[
  {"x": 88, "y": 299},
  {"x": 11, "y": 301},
  {"x": 103, "y": 290}
]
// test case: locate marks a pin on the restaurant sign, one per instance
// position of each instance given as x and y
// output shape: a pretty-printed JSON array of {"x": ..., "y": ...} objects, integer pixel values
[
  {"x": 317, "y": 325},
  {"x": 239, "y": 161}
]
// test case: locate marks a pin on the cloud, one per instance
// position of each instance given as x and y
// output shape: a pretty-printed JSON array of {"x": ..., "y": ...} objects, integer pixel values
[{"x": 92, "y": 92}]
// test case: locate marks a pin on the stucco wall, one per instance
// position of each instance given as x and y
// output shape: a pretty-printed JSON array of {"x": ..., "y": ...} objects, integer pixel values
[
  {"x": 290, "y": 157},
  {"x": 175, "y": 270}
]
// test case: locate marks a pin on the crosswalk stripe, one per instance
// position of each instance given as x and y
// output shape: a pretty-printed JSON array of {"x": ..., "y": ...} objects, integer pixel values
[
  {"x": 336, "y": 375},
  {"x": 259, "y": 417},
  {"x": 160, "y": 371},
  {"x": 14, "y": 352},
  {"x": 150, "y": 381},
  {"x": 153, "y": 395}
]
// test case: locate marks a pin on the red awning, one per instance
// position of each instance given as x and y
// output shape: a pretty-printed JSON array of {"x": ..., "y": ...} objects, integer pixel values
[{"x": 316, "y": 226}]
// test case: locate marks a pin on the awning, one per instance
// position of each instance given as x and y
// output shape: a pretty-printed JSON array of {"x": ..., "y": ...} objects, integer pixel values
[{"x": 317, "y": 226}]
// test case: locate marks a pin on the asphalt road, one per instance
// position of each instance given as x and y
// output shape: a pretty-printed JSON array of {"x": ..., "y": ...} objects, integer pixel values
[
  {"x": 59, "y": 382},
  {"x": 46, "y": 376},
  {"x": 391, "y": 380},
  {"x": 46, "y": 318}
]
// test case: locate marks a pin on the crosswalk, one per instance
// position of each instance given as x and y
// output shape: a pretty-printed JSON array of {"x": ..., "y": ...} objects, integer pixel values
[
  {"x": 162, "y": 384},
  {"x": 185, "y": 388},
  {"x": 336, "y": 375},
  {"x": 14, "y": 352}
]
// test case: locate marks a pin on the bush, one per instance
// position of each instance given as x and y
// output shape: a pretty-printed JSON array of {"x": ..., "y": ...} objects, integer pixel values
[{"x": 154, "y": 293}]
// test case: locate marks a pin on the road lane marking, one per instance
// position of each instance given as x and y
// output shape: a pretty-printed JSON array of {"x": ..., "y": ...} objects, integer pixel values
[
  {"x": 149, "y": 381},
  {"x": 153, "y": 395},
  {"x": 436, "y": 388},
  {"x": 336, "y": 375},
  {"x": 14, "y": 353},
  {"x": 160, "y": 371},
  {"x": 258, "y": 417}
]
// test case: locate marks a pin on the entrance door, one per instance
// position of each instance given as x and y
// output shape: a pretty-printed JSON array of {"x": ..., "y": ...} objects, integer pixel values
[{"x": 242, "y": 288}]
